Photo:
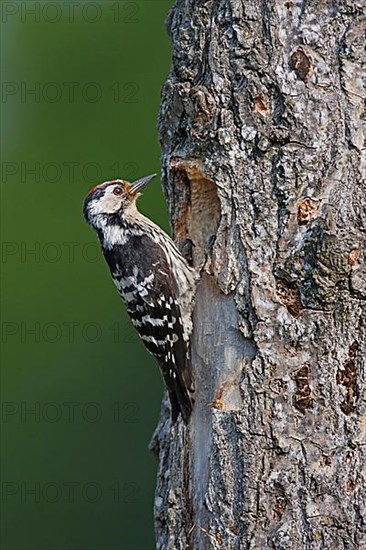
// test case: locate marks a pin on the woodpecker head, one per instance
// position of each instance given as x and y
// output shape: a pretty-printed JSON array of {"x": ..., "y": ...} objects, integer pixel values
[{"x": 115, "y": 197}]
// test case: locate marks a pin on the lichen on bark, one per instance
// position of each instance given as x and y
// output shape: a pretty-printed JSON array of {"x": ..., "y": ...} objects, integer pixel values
[{"x": 260, "y": 129}]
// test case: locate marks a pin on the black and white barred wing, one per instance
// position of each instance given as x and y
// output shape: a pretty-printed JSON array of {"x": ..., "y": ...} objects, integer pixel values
[{"x": 151, "y": 302}]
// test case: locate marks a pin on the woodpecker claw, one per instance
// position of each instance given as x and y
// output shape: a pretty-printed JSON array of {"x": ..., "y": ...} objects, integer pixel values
[
  {"x": 208, "y": 255},
  {"x": 187, "y": 250}
]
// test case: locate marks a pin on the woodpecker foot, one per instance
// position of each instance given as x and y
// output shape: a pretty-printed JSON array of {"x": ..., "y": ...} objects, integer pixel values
[
  {"x": 208, "y": 255},
  {"x": 187, "y": 251},
  {"x": 210, "y": 245}
]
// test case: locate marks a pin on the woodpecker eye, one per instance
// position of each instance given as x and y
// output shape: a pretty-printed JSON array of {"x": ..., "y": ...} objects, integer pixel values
[{"x": 117, "y": 191}]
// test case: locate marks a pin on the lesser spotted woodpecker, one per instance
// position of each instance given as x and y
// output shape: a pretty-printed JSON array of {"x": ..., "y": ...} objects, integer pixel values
[{"x": 152, "y": 277}]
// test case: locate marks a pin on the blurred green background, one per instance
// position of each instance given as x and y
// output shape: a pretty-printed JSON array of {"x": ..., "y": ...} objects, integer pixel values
[{"x": 80, "y": 395}]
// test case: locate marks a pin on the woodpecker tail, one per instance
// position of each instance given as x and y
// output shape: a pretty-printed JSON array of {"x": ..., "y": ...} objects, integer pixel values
[
  {"x": 179, "y": 392},
  {"x": 181, "y": 402}
]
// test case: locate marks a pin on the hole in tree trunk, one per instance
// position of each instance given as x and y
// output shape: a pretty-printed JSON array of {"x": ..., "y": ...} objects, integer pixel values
[{"x": 197, "y": 216}]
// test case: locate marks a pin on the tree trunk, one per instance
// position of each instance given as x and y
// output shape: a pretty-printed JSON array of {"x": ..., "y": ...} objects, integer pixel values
[{"x": 261, "y": 138}]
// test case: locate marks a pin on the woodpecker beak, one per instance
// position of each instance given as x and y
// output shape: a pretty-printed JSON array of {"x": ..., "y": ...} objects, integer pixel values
[{"x": 140, "y": 184}]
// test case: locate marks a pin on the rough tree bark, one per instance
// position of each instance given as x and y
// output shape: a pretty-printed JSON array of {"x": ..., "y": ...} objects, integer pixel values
[{"x": 260, "y": 130}]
